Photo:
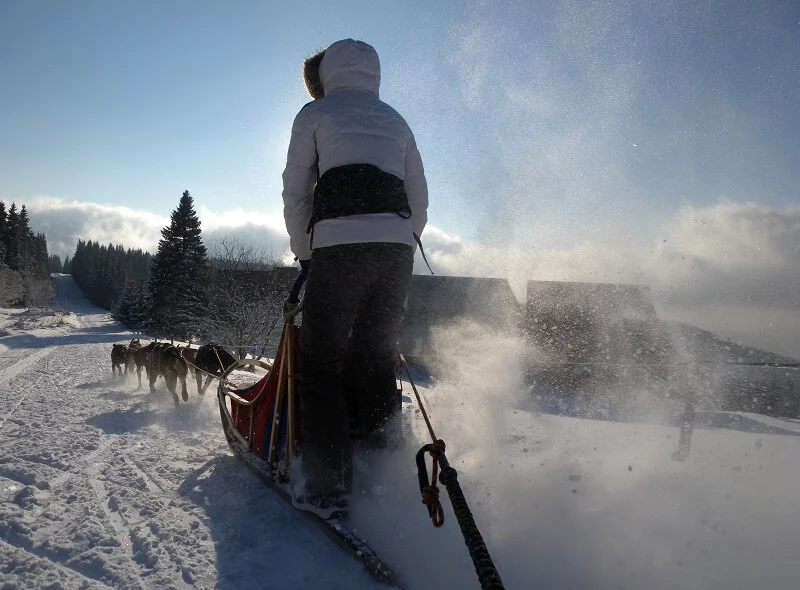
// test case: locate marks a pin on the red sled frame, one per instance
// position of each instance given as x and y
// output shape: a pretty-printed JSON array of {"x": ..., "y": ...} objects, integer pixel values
[{"x": 265, "y": 416}]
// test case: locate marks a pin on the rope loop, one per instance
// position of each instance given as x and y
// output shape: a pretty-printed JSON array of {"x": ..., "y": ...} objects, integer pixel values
[
  {"x": 430, "y": 497},
  {"x": 428, "y": 487}
]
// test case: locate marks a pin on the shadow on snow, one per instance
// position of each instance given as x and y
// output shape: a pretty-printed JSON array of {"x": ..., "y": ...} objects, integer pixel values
[
  {"x": 259, "y": 541},
  {"x": 21, "y": 341},
  {"x": 125, "y": 421}
]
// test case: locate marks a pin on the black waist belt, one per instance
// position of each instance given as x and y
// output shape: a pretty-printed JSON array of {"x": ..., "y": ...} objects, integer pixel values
[{"x": 358, "y": 189}]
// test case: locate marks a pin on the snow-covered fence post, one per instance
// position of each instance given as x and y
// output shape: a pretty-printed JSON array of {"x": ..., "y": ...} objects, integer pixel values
[{"x": 687, "y": 426}]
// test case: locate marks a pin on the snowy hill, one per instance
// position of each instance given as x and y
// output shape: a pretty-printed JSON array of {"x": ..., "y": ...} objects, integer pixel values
[{"x": 104, "y": 486}]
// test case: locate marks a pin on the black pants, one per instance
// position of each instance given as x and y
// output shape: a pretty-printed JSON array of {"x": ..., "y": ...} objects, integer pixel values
[{"x": 352, "y": 309}]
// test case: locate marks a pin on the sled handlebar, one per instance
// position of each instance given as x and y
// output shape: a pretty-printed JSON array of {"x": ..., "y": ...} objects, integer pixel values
[{"x": 294, "y": 292}]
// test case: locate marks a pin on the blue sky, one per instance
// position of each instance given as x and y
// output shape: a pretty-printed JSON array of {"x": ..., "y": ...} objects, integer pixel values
[
  {"x": 537, "y": 110},
  {"x": 654, "y": 142},
  {"x": 134, "y": 102}
]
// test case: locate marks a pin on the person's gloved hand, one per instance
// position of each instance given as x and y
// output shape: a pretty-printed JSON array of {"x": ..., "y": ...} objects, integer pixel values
[{"x": 290, "y": 305}]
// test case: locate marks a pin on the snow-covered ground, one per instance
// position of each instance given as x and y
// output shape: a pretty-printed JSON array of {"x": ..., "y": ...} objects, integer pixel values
[{"x": 104, "y": 485}]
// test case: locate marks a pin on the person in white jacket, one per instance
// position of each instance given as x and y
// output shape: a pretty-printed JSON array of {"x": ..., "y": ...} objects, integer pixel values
[{"x": 355, "y": 203}]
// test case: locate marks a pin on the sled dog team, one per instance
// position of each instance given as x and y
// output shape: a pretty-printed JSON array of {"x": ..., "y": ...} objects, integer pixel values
[{"x": 161, "y": 359}]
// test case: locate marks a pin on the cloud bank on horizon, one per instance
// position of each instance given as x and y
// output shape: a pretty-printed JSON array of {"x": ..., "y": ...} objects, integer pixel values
[
  {"x": 729, "y": 267},
  {"x": 732, "y": 267},
  {"x": 64, "y": 222}
]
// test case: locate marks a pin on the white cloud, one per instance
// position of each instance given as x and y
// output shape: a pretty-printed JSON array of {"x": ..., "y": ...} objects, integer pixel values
[
  {"x": 215, "y": 221},
  {"x": 733, "y": 253},
  {"x": 729, "y": 267},
  {"x": 728, "y": 252},
  {"x": 265, "y": 230},
  {"x": 64, "y": 222}
]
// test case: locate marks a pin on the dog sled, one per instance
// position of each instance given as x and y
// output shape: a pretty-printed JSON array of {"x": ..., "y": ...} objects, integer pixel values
[
  {"x": 260, "y": 411},
  {"x": 263, "y": 427}
]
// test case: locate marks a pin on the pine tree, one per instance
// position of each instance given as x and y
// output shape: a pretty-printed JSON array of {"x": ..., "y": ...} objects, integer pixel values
[
  {"x": 132, "y": 308},
  {"x": 54, "y": 263},
  {"x": 67, "y": 268},
  {"x": 12, "y": 240},
  {"x": 26, "y": 244},
  {"x": 3, "y": 233},
  {"x": 121, "y": 312},
  {"x": 23, "y": 259},
  {"x": 177, "y": 285}
]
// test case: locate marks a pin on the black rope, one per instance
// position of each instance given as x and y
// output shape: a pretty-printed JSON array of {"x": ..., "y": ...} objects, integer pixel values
[
  {"x": 484, "y": 566},
  {"x": 422, "y": 251}
]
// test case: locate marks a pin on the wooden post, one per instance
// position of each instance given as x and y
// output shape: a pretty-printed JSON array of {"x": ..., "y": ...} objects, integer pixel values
[{"x": 687, "y": 426}]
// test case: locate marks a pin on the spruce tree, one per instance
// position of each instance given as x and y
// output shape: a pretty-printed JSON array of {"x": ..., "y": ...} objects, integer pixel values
[
  {"x": 12, "y": 241},
  {"x": 26, "y": 246},
  {"x": 121, "y": 312},
  {"x": 24, "y": 224},
  {"x": 132, "y": 307},
  {"x": 39, "y": 253},
  {"x": 102, "y": 272},
  {"x": 177, "y": 285},
  {"x": 3, "y": 232},
  {"x": 80, "y": 266},
  {"x": 54, "y": 263},
  {"x": 23, "y": 259}
]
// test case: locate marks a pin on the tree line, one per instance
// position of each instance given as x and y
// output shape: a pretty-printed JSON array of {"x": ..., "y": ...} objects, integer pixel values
[
  {"x": 24, "y": 261},
  {"x": 103, "y": 272},
  {"x": 232, "y": 295}
]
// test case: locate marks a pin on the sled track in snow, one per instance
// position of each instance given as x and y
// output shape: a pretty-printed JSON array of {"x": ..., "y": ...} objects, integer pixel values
[
  {"x": 121, "y": 531},
  {"x": 45, "y": 556},
  {"x": 90, "y": 468},
  {"x": 138, "y": 565},
  {"x": 18, "y": 368},
  {"x": 22, "y": 365},
  {"x": 151, "y": 484},
  {"x": 83, "y": 465}
]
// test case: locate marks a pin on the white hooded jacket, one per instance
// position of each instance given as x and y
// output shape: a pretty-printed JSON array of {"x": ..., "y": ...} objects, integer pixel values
[{"x": 350, "y": 125}]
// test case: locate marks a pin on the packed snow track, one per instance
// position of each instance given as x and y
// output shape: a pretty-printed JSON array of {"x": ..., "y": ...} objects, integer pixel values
[{"x": 104, "y": 486}]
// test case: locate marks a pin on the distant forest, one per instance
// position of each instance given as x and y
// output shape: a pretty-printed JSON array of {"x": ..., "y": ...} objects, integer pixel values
[
  {"x": 104, "y": 272},
  {"x": 24, "y": 262}
]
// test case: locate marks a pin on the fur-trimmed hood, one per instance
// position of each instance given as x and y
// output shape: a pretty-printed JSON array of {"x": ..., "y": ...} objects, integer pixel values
[
  {"x": 349, "y": 126},
  {"x": 350, "y": 65}
]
